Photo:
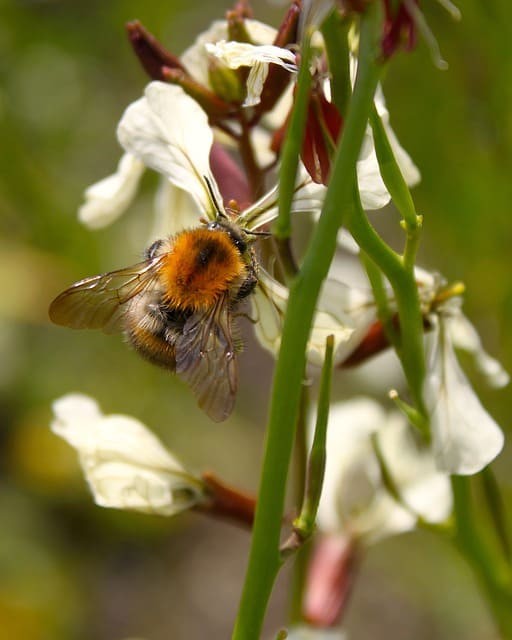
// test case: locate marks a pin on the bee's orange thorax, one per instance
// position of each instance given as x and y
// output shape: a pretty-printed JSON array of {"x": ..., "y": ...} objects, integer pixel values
[{"x": 201, "y": 265}]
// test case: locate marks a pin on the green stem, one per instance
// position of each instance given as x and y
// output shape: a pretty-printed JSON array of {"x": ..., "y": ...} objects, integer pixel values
[
  {"x": 301, "y": 559},
  {"x": 391, "y": 173},
  {"x": 381, "y": 297},
  {"x": 264, "y": 559},
  {"x": 282, "y": 227},
  {"x": 335, "y": 33},
  {"x": 305, "y": 523},
  {"x": 411, "y": 352},
  {"x": 494, "y": 577},
  {"x": 313, "y": 471},
  {"x": 496, "y": 508}
]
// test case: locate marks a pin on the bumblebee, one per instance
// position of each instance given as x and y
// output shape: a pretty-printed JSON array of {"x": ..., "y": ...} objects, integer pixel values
[{"x": 177, "y": 308}]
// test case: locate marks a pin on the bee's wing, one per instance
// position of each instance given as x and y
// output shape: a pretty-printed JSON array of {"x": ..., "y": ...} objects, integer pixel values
[
  {"x": 206, "y": 359},
  {"x": 100, "y": 302}
]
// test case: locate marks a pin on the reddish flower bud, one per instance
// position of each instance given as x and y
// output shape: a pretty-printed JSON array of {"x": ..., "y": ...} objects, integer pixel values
[
  {"x": 323, "y": 127},
  {"x": 329, "y": 581},
  {"x": 152, "y": 55},
  {"x": 231, "y": 179},
  {"x": 374, "y": 342},
  {"x": 399, "y": 29}
]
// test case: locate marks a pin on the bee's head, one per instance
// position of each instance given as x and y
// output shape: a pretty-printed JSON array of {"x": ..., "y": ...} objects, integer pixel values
[{"x": 237, "y": 235}]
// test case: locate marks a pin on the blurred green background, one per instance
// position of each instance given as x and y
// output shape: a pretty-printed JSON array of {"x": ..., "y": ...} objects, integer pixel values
[{"x": 70, "y": 570}]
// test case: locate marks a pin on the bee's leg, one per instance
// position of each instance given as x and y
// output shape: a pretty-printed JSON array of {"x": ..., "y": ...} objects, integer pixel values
[{"x": 247, "y": 286}]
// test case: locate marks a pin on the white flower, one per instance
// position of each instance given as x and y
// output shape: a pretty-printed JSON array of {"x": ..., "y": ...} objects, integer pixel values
[
  {"x": 341, "y": 311},
  {"x": 107, "y": 199},
  {"x": 464, "y": 336},
  {"x": 195, "y": 58},
  {"x": 174, "y": 210},
  {"x": 169, "y": 132},
  {"x": 465, "y": 437},
  {"x": 355, "y": 500},
  {"x": 125, "y": 465},
  {"x": 258, "y": 57}
]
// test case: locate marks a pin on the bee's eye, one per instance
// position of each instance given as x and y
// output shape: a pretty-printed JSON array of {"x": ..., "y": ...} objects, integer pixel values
[
  {"x": 152, "y": 250},
  {"x": 240, "y": 244}
]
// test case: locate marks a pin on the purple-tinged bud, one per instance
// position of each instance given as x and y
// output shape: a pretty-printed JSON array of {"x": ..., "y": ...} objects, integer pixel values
[
  {"x": 152, "y": 55},
  {"x": 399, "y": 29},
  {"x": 323, "y": 127},
  {"x": 329, "y": 581}
]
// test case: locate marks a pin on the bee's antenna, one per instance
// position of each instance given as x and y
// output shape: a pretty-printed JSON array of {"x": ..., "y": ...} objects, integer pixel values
[
  {"x": 264, "y": 234},
  {"x": 218, "y": 209}
]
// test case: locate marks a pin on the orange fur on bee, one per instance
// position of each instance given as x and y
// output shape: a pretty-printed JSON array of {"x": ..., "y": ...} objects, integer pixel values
[{"x": 201, "y": 265}]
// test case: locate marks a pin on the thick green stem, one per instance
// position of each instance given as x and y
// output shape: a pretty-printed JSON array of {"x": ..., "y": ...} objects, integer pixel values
[
  {"x": 494, "y": 577},
  {"x": 265, "y": 559},
  {"x": 335, "y": 33}
]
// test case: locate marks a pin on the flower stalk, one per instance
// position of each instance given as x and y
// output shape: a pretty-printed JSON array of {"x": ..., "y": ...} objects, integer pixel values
[{"x": 265, "y": 559}]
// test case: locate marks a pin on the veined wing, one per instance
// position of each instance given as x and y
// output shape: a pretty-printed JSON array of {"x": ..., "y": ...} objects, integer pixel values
[
  {"x": 206, "y": 359},
  {"x": 100, "y": 302}
]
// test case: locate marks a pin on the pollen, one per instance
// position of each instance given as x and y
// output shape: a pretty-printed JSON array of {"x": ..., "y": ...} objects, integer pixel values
[{"x": 201, "y": 266}]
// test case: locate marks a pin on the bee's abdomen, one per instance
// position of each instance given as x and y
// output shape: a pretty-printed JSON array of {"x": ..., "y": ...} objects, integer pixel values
[
  {"x": 152, "y": 328},
  {"x": 201, "y": 266}
]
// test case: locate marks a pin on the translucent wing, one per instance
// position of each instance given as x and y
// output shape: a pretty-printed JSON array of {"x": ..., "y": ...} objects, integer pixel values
[
  {"x": 206, "y": 359},
  {"x": 100, "y": 302}
]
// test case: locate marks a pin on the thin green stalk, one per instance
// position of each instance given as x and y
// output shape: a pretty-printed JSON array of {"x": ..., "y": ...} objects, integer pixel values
[
  {"x": 314, "y": 469},
  {"x": 300, "y": 468},
  {"x": 398, "y": 189},
  {"x": 381, "y": 297},
  {"x": 264, "y": 559},
  {"x": 305, "y": 523},
  {"x": 335, "y": 33},
  {"x": 404, "y": 286},
  {"x": 282, "y": 227},
  {"x": 391, "y": 173},
  {"x": 495, "y": 578}
]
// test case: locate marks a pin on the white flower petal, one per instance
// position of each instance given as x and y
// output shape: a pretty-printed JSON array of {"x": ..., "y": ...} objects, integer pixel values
[
  {"x": 243, "y": 54},
  {"x": 107, "y": 199},
  {"x": 196, "y": 59},
  {"x": 125, "y": 465},
  {"x": 411, "y": 463},
  {"x": 374, "y": 194},
  {"x": 255, "y": 81},
  {"x": 74, "y": 413},
  {"x": 465, "y": 336},
  {"x": 340, "y": 313},
  {"x": 465, "y": 438},
  {"x": 169, "y": 132},
  {"x": 118, "y": 485},
  {"x": 355, "y": 500},
  {"x": 409, "y": 170},
  {"x": 175, "y": 210},
  {"x": 372, "y": 189}
]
